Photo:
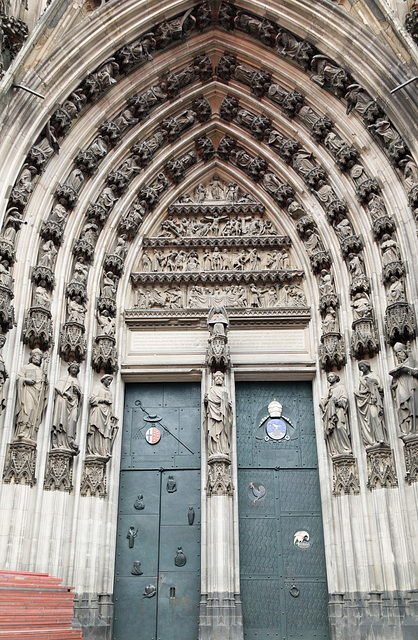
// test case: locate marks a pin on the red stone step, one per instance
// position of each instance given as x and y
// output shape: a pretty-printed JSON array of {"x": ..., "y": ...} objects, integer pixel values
[{"x": 35, "y": 606}]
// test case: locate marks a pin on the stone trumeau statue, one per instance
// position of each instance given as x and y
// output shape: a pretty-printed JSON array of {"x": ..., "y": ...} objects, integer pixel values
[
  {"x": 369, "y": 399},
  {"x": 218, "y": 414},
  {"x": 335, "y": 417},
  {"x": 66, "y": 410},
  {"x": 404, "y": 387},
  {"x": 32, "y": 388}
]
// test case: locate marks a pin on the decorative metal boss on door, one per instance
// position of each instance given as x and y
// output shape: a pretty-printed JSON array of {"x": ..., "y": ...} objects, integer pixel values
[{"x": 276, "y": 426}]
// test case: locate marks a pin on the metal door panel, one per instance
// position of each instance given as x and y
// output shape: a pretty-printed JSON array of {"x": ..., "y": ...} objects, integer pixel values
[
  {"x": 162, "y": 517},
  {"x": 133, "y": 485},
  {"x": 178, "y": 605},
  {"x": 283, "y": 584},
  {"x": 312, "y": 602},
  {"x": 261, "y": 608},
  {"x": 309, "y": 562},
  {"x": 175, "y": 505},
  {"x": 173, "y": 537},
  {"x": 134, "y": 615}
]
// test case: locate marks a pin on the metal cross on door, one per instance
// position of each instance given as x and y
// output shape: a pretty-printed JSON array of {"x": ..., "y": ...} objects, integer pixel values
[
  {"x": 282, "y": 562},
  {"x": 157, "y": 571}
]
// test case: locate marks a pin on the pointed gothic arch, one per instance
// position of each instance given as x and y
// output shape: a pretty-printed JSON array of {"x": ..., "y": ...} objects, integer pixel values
[{"x": 90, "y": 73}]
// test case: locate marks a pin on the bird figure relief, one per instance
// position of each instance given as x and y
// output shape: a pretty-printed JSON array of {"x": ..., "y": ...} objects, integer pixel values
[{"x": 259, "y": 492}]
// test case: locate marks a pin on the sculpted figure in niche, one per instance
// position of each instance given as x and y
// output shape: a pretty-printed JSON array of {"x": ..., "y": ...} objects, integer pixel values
[
  {"x": 102, "y": 423},
  {"x": 81, "y": 271},
  {"x": 32, "y": 390},
  {"x": 41, "y": 298},
  {"x": 361, "y": 305},
  {"x": 390, "y": 250},
  {"x": 218, "y": 414},
  {"x": 66, "y": 410},
  {"x": 313, "y": 242},
  {"x": 356, "y": 265},
  {"x": 109, "y": 285},
  {"x": 121, "y": 248},
  {"x": 106, "y": 323},
  {"x": 369, "y": 400},
  {"x": 335, "y": 417},
  {"x": 404, "y": 387},
  {"x": 344, "y": 229},
  {"x": 3, "y": 374},
  {"x": 48, "y": 253},
  {"x": 410, "y": 172},
  {"x": 330, "y": 322},
  {"x": 396, "y": 292},
  {"x": 326, "y": 283},
  {"x": 232, "y": 192},
  {"x": 376, "y": 206},
  {"x": 13, "y": 222},
  {"x": 76, "y": 310},
  {"x": 5, "y": 278},
  {"x": 200, "y": 193},
  {"x": 216, "y": 189}
]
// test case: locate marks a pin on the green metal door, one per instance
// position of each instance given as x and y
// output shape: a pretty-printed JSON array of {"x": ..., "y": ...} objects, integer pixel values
[
  {"x": 157, "y": 572},
  {"x": 282, "y": 562}
]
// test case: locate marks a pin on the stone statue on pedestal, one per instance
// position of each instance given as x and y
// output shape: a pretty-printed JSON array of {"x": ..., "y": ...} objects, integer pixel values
[
  {"x": 218, "y": 415},
  {"x": 102, "y": 423},
  {"x": 404, "y": 387},
  {"x": 335, "y": 417},
  {"x": 369, "y": 399},
  {"x": 32, "y": 389},
  {"x": 66, "y": 410}
]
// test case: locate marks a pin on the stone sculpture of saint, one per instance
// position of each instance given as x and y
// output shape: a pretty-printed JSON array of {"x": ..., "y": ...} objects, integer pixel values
[
  {"x": 66, "y": 410},
  {"x": 335, "y": 417},
  {"x": 32, "y": 389},
  {"x": 369, "y": 400},
  {"x": 102, "y": 423},
  {"x": 218, "y": 414},
  {"x": 404, "y": 387}
]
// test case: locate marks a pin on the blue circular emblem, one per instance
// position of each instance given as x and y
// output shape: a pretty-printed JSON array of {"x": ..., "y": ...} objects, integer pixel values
[{"x": 276, "y": 428}]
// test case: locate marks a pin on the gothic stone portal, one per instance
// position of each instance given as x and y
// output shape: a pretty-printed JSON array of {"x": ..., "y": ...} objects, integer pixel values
[
  {"x": 157, "y": 573},
  {"x": 283, "y": 580}
]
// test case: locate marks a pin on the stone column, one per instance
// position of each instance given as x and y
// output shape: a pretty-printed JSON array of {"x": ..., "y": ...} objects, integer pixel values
[{"x": 220, "y": 606}]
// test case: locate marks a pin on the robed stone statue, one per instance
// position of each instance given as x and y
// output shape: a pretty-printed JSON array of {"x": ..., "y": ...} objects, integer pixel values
[
  {"x": 369, "y": 399},
  {"x": 102, "y": 425},
  {"x": 218, "y": 415},
  {"x": 404, "y": 387},
  {"x": 32, "y": 389},
  {"x": 335, "y": 417},
  {"x": 66, "y": 410}
]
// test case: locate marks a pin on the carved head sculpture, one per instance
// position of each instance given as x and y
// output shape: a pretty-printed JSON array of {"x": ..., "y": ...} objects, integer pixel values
[
  {"x": 74, "y": 369},
  {"x": 36, "y": 356},
  {"x": 218, "y": 377},
  {"x": 333, "y": 378},
  {"x": 364, "y": 367},
  {"x": 106, "y": 380},
  {"x": 401, "y": 352}
]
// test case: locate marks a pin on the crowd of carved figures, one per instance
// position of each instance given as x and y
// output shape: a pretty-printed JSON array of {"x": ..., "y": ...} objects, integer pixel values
[{"x": 37, "y": 329}]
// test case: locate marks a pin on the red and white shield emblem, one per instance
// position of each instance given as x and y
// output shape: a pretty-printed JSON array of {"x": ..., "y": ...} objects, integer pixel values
[{"x": 152, "y": 435}]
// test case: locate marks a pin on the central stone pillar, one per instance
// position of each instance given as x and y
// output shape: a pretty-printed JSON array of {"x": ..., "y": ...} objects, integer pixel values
[{"x": 220, "y": 606}]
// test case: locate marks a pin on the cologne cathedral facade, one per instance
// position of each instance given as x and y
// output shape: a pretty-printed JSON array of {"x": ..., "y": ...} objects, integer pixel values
[{"x": 208, "y": 292}]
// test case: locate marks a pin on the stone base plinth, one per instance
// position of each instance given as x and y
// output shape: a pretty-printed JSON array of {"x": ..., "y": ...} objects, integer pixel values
[
  {"x": 20, "y": 463},
  {"x": 411, "y": 458},
  {"x": 345, "y": 476},
  {"x": 59, "y": 470},
  {"x": 381, "y": 467},
  {"x": 220, "y": 617}
]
